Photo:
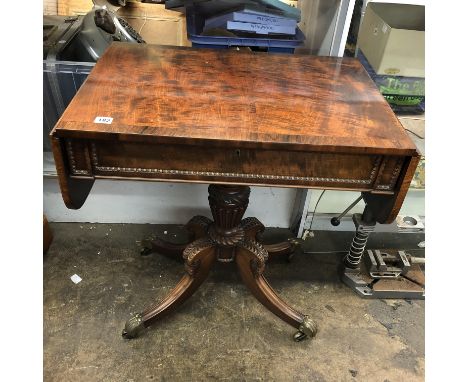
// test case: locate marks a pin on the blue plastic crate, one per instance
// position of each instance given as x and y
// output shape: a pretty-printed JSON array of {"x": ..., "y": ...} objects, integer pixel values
[{"x": 195, "y": 23}]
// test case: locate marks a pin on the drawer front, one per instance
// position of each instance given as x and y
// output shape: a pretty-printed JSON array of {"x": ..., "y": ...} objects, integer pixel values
[{"x": 103, "y": 158}]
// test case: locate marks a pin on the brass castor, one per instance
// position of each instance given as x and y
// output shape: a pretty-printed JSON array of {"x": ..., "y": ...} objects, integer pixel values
[
  {"x": 146, "y": 248},
  {"x": 296, "y": 244},
  {"x": 308, "y": 329},
  {"x": 145, "y": 251},
  {"x": 133, "y": 326}
]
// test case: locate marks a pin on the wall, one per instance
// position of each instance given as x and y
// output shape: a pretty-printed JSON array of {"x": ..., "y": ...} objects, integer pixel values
[
  {"x": 112, "y": 201},
  {"x": 318, "y": 20},
  {"x": 334, "y": 202}
]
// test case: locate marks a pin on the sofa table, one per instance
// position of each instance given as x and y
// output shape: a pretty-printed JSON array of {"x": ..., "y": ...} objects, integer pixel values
[{"x": 232, "y": 120}]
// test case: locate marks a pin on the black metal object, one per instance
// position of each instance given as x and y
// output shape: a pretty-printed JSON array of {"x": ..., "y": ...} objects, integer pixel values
[
  {"x": 335, "y": 221},
  {"x": 58, "y": 33},
  {"x": 380, "y": 264},
  {"x": 383, "y": 274},
  {"x": 71, "y": 47},
  {"x": 365, "y": 224},
  {"x": 103, "y": 20},
  {"x": 387, "y": 274}
]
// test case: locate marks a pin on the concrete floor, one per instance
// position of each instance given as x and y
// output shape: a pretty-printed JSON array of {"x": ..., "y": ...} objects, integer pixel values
[{"x": 222, "y": 333}]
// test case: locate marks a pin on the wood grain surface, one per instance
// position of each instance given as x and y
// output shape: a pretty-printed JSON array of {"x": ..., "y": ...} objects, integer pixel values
[
  {"x": 228, "y": 117},
  {"x": 220, "y": 97}
]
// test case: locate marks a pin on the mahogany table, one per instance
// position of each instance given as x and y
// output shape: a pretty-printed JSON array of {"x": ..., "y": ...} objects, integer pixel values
[{"x": 232, "y": 119}]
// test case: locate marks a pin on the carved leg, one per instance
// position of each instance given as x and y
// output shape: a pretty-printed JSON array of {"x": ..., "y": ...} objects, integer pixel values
[
  {"x": 252, "y": 227},
  {"x": 199, "y": 257},
  {"x": 162, "y": 246},
  {"x": 285, "y": 248},
  {"x": 250, "y": 258},
  {"x": 197, "y": 226},
  {"x": 227, "y": 238}
]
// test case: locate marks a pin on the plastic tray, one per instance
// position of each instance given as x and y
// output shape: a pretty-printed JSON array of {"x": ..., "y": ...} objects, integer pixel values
[
  {"x": 195, "y": 23},
  {"x": 406, "y": 95},
  {"x": 61, "y": 81}
]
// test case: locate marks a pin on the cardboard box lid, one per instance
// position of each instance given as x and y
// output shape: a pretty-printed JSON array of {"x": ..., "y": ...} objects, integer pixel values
[
  {"x": 400, "y": 16},
  {"x": 154, "y": 11}
]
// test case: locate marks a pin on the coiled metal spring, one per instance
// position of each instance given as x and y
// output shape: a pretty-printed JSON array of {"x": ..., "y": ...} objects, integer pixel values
[{"x": 353, "y": 258}]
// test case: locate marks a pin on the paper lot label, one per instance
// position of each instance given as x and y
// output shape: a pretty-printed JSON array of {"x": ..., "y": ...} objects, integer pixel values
[{"x": 106, "y": 120}]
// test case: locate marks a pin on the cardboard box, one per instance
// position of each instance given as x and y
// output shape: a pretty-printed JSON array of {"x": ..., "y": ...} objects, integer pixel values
[
  {"x": 292, "y": 3},
  {"x": 156, "y": 24},
  {"x": 392, "y": 38},
  {"x": 74, "y": 7}
]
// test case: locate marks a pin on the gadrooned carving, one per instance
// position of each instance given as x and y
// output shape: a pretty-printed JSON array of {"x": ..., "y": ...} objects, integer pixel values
[
  {"x": 226, "y": 238},
  {"x": 257, "y": 264},
  {"x": 228, "y": 205},
  {"x": 251, "y": 223},
  {"x": 192, "y": 251},
  {"x": 228, "y": 195}
]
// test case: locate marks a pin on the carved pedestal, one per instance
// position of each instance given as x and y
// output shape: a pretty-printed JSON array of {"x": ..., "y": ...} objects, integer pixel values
[{"x": 227, "y": 238}]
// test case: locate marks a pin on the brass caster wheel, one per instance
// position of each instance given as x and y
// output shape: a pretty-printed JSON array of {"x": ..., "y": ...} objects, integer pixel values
[
  {"x": 299, "y": 336},
  {"x": 145, "y": 251},
  {"x": 308, "y": 329},
  {"x": 295, "y": 243},
  {"x": 146, "y": 248},
  {"x": 133, "y": 326}
]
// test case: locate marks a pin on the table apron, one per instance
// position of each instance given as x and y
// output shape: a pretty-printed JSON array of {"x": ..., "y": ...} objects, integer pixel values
[{"x": 189, "y": 163}]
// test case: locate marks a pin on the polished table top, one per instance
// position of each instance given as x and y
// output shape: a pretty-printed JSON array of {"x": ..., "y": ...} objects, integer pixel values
[
  {"x": 221, "y": 116},
  {"x": 177, "y": 94}
]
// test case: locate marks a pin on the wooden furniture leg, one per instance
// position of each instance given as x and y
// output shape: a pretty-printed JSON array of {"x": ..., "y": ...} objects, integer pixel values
[
  {"x": 197, "y": 227},
  {"x": 163, "y": 247},
  {"x": 227, "y": 238},
  {"x": 251, "y": 257},
  {"x": 252, "y": 227},
  {"x": 199, "y": 257},
  {"x": 284, "y": 248}
]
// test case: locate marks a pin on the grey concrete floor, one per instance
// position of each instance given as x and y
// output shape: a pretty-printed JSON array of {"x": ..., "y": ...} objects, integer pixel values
[{"x": 222, "y": 333}]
